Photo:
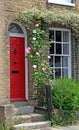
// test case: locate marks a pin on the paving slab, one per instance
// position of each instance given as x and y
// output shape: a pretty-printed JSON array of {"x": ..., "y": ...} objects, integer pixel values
[
  {"x": 33, "y": 125},
  {"x": 73, "y": 127}
]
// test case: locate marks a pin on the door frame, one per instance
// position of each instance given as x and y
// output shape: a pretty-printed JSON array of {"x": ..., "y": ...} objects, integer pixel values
[{"x": 26, "y": 61}]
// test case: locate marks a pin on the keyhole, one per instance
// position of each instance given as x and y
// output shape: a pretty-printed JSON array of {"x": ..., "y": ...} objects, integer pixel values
[
  {"x": 15, "y": 62},
  {"x": 14, "y": 51}
]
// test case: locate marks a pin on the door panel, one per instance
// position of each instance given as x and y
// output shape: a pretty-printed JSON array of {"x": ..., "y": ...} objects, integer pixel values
[{"x": 17, "y": 68}]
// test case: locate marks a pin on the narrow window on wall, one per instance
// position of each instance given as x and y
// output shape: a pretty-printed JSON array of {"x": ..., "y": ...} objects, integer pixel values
[
  {"x": 60, "y": 52},
  {"x": 59, "y": 1},
  {"x": 63, "y": 2},
  {"x": 69, "y": 1}
]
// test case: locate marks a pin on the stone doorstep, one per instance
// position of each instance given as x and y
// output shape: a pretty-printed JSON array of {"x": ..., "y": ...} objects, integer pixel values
[
  {"x": 24, "y": 117},
  {"x": 37, "y": 117},
  {"x": 21, "y": 110},
  {"x": 28, "y": 118},
  {"x": 21, "y": 119},
  {"x": 33, "y": 125}
]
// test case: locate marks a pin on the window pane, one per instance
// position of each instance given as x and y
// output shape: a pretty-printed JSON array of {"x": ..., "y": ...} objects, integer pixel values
[
  {"x": 64, "y": 72},
  {"x": 69, "y": 1},
  {"x": 64, "y": 61},
  {"x": 59, "y": 52},
  {"x": 51, "y": 35},
  {"x": 58, "y": 48},
  {"x": 65, "y": 36},
  {"x": 58, "y": 36},
  {"x": 57, "y": 73},
  {"x": 65, "y": 48},
  {"x": 15, "y": 28},
  {"x": 57, "y": 61},
  {"x": 51, "y": 50},
  {"x": 51, "y": 61},
  {"x": 60, "y": 1},
  {"x": 64, "y": 1}
]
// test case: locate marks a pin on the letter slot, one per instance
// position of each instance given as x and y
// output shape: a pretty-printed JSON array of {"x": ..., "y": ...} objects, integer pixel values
[{"x": 15, "y": 71}]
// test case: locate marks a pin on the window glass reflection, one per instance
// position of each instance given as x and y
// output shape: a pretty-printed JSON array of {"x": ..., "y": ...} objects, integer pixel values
[{"x": 58, "y": 36}]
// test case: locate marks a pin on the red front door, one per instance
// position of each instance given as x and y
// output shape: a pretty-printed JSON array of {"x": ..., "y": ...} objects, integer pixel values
[{"x": 17, "y": 68}]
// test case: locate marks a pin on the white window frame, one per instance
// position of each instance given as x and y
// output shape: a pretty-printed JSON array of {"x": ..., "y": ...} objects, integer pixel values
[
  {"x": 62, "y": 2},
  {"x": 69, "y": 55}
]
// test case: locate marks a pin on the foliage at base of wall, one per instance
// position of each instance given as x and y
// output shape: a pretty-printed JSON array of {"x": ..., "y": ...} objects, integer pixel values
[
  {"x": 8, "y": 126},
  {"x": 65, "y": 100}
]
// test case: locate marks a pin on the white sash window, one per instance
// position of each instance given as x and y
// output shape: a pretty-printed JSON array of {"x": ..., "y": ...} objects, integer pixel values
[
  {"x": 62, "y": 2},
  {"x": 60, "y": 52}
]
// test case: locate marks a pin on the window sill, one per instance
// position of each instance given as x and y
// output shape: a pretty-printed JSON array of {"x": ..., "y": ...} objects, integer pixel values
[{"x": 61, "y": 3}]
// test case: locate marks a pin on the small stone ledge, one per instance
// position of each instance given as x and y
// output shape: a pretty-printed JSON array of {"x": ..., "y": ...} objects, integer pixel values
[{"x": 5, "y": 113}]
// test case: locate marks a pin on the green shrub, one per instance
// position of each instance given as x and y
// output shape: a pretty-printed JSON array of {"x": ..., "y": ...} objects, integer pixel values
[
  {"x": 65, "y": 99},
  {"x": 8, "y": 126}
]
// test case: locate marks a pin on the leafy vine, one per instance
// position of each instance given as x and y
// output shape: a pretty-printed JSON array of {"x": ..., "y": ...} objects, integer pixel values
[{"x": 38, "y": 23}]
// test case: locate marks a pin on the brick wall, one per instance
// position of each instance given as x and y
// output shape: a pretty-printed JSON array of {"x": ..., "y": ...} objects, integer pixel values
[
  {"x": 9, "y": 12},
  {"x": 4, "y": 59}
]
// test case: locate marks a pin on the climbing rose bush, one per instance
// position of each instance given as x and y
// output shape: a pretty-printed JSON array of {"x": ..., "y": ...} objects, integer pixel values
[{"x": 38, "y": 51}]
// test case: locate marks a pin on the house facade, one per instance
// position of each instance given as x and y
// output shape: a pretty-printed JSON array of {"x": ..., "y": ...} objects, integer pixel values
[{"x": 15, "y": 71}]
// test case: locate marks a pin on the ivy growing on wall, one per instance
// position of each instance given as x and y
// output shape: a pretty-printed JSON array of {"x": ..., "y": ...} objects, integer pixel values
[
  {"x": 56, "y": 17},
  {"x": 68, "y": 19}
]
